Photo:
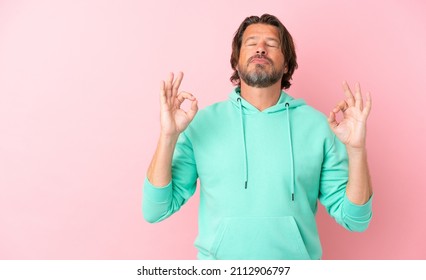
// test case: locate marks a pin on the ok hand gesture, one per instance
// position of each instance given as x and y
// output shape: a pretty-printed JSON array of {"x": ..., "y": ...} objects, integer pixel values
[
  {"x": 351, "y": 130},
  {"x": 173, "y": 119}
]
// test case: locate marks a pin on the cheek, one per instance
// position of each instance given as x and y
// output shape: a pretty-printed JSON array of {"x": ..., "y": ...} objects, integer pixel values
[
  {"x": 241, "y": 60},
  {"x": 244, "y": 54},
  {"x": 279, "y": 59}
]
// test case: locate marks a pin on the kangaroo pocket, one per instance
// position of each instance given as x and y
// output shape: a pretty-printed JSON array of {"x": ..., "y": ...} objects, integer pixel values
[{"x": 259, "y": 238}]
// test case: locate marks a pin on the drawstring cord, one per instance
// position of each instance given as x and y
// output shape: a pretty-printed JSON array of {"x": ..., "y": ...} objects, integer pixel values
[
  {"x": 244, "y": 143},
  {"x": 287, "y": 105}
]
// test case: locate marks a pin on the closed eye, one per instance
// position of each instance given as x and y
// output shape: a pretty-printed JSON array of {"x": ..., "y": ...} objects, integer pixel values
[{"x": 273, "y": 44}]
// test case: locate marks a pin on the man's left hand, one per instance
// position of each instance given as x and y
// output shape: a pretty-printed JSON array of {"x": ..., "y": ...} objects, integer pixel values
[{"x": 351, "y": 130}]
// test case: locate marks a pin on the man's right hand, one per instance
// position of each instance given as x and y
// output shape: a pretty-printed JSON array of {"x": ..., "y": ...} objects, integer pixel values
[{"x": 173, "y": 119}]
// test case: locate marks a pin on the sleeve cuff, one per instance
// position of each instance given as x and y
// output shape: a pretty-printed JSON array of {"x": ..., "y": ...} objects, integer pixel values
[
  {"x": 157, "y": 194},
  {"x": 357, "y": 211}
]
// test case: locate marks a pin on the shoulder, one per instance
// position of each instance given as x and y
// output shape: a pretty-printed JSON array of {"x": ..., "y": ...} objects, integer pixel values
[
  {"x": 309, "y": 113},
  {"x": 209, "y": 121},
  {"x": 215, "y": 107},
  {"x": 312, "y": 121},
  {"x": 213, "y": 112}
]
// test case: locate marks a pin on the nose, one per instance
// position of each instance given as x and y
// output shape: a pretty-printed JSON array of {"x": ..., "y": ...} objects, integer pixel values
[{"x": 261, "y": 50}]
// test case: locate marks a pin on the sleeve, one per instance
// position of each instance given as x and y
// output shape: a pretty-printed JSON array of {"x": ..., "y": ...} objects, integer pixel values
[
  {"x": 334, "y": 178},
  {"x": 158, "y": 203}
]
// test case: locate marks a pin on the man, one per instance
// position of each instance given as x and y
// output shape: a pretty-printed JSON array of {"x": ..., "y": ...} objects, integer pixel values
[{"x": 263, "y": 158}]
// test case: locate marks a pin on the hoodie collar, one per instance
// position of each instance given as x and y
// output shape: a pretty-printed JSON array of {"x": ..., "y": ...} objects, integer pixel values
[{"x": 248, "y": 108}]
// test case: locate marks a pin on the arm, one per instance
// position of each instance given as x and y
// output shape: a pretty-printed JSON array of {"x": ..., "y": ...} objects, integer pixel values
[
  {"x": 359, "y": 189},
  {"x": 352, "y": 132},
  {"x": 173, "y": 121},
  {"x": 161, "y": 197}
]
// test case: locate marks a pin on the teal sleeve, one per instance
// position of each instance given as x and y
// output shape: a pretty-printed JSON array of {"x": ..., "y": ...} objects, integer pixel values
[
  {"x": 158, "y": 203},
  {"x": 334, "y": 178},
  {"x": 357, "y": 217}
]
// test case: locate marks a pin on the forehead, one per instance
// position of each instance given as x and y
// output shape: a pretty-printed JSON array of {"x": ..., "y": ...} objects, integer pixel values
[{"x": 261, "y": 30}]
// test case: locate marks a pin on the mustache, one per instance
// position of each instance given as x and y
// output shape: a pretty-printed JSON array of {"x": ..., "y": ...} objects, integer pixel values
[{"x": 261, "y": 56}]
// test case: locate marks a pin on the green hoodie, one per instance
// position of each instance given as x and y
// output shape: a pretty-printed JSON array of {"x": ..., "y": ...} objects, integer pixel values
[{"x": 261, "y": 175}]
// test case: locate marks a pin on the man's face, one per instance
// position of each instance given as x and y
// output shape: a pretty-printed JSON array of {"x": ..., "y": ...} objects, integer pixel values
[{"x": 261, "y": 61}]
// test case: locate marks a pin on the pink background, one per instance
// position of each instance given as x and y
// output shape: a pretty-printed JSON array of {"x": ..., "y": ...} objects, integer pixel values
[{"x": 79, "y": 116}]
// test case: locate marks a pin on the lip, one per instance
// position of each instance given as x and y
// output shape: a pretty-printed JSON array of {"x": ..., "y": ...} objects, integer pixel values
[{"x": 259, "y": 61}]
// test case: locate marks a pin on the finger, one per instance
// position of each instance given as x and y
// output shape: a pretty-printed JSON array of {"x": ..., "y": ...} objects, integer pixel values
[
  {"x": 342, "y": 106},
  {"x": 169, "y": 82},
  {"x": 176, "y": 83},
  {"x": 193, "y": 110},
  {"x": 358, "y": 97},
  {"x": 163, "y": 97},
  {"x": 332, "y": 120},
  {"x": 367, "y": 107},
  {"x": 349, "y": 96},
  {"x": 182, "y": 96}
]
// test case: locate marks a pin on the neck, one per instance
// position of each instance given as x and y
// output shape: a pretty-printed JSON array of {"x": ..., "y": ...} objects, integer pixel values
[{"x": 261, "y": 98}]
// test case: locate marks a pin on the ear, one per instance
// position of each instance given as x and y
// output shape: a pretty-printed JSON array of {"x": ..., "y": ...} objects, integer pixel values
[{"x": 285, "y": 69}]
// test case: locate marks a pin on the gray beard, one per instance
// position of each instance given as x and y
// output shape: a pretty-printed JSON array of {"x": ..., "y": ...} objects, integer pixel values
[{"x": 260, "y": 78}]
